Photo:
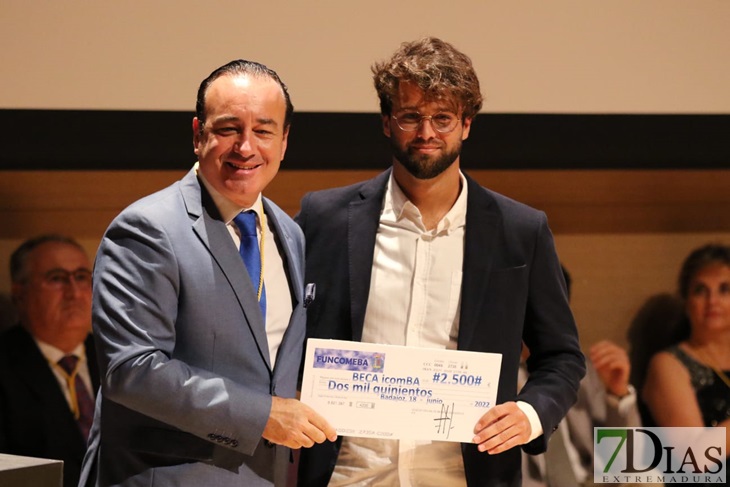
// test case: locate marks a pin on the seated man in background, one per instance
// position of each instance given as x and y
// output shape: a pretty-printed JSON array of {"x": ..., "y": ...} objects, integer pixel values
[
  {"x": 605, "y": 398},
  {"x": 48, "y": 371}
]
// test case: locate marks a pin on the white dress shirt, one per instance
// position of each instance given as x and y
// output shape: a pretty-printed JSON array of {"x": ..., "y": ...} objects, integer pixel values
[
  {"x": 414, "y": 300},
  {"x": 278, "y": 294}
]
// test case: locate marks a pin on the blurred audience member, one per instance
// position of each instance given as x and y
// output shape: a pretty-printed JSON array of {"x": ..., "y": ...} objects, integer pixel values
[
  {"x": 8, "y": 315},
  {"x": 687, "y": 384},
  {"x": 605, "y": 398},
  {"x": 659, "y": 323},
  {"x": 48, "y": 368}
]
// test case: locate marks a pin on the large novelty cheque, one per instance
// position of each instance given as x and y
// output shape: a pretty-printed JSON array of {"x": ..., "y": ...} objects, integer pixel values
[{"x": 395, "y": 392}]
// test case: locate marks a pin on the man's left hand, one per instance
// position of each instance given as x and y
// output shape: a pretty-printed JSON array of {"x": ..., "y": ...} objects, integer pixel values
[{"x": 501, "y": 428}]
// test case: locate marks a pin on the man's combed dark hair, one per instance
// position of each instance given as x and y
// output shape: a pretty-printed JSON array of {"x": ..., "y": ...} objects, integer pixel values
[
  {"x": 241, "y": 67},
  {"x": 436, "y": 67}
]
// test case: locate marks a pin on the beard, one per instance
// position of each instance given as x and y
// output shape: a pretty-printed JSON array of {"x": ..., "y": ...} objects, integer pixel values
[{"x": 424, "y": 166}]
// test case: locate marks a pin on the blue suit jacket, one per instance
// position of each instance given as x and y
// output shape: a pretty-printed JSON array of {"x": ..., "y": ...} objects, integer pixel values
[
  {"x": 512, "y": 290},
  {"x": 186, "y": 376}
]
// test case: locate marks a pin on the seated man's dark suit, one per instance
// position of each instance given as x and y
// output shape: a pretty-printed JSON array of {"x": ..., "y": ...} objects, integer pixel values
[{"x": 35, "y": 418}]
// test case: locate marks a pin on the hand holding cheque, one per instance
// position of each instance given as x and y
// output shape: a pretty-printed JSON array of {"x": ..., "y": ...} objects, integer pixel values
[{"x": 395, "y": 392}]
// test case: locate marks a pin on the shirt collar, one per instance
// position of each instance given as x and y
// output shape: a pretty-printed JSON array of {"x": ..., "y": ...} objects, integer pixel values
[
  {"x": 53, "y": 354},
  {"x": 397, "y": 206},
  {"x": 227, "y": 208}
]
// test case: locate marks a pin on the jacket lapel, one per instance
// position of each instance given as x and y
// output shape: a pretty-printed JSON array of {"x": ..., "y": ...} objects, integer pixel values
[
  {"x": 92, "y": 363},
  {"x": 292, "y": 257},
  {"x": 481, "y": 235},
  {"x": 288, "y": 246},
  {"x": 362, "y": 227},
  {"x": 214, "y": 234}
]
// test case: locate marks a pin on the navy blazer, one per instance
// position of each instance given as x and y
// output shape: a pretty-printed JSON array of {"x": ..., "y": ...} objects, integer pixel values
[
  {"x": 35, "y": 419},
  {"x": 187, "y": 378},
  {"x": 512, "y": 290}
]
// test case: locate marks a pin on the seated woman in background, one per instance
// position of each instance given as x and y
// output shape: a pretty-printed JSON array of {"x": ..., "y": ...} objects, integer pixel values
[{"x": 687, "y": 384}]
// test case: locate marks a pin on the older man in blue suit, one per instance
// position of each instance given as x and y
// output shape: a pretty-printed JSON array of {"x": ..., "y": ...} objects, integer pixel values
[{"x": 199, "y": 345}]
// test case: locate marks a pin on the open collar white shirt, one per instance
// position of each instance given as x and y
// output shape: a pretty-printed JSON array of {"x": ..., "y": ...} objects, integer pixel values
[{"x": 414, "y": 300}]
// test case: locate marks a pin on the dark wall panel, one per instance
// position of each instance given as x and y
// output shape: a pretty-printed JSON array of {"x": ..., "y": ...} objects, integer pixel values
[{"x": 140, "y": 140}]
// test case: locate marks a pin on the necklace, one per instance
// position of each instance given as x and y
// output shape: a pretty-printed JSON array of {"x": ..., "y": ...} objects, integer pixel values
[
  {"x": 722, "y": 375},
  {"x": 711, "y": 364},
  {"x": 261, "y": 251}
]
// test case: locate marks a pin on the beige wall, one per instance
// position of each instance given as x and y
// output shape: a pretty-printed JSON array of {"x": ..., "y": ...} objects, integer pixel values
[
  {"x": 558, "y": 56},
  {"x": 613, "y": 275},
  {"x": 622, "y": 234}
]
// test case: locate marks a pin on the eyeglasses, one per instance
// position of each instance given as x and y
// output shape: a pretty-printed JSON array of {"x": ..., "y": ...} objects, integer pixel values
[
  {"x": 59, "y": 278},
  {"x": 442, "y": 122}
]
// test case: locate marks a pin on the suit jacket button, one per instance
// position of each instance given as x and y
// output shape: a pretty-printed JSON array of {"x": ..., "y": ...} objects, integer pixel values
[{"x": 234, "y": 443}]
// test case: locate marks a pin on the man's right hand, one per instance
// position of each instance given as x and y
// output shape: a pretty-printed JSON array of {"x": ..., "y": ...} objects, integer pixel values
[{"x": 294, "y": 424}]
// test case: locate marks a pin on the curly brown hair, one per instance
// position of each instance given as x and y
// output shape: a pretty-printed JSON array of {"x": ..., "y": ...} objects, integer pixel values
[{"x": 436, "y": 67}]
